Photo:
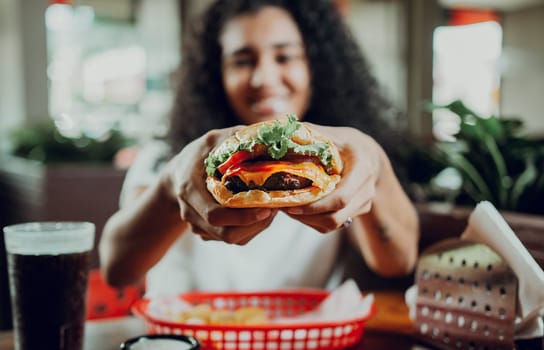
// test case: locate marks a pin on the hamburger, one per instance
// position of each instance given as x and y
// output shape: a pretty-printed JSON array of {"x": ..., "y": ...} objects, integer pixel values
[{"x": 280, "y": 163}]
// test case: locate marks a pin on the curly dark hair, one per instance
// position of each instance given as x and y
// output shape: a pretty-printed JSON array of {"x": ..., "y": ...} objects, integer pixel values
[{"x": 344, "y": 92}]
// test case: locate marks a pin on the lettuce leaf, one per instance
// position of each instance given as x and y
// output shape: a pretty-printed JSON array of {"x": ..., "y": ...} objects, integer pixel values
[
  {"x": 215, "y": 159},
  {"x": 319, "y": 150},
  {"x": 277, "y": 139}
]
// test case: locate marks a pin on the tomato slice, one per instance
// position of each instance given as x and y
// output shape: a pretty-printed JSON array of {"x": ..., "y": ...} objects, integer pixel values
[{"x": 235, "y": 159}]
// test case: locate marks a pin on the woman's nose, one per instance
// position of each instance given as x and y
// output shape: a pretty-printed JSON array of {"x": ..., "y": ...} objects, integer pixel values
[{"x": 266, "y": 73}]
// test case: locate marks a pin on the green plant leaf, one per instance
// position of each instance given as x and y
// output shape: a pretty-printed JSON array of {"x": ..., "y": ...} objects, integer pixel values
[
  {"x": 511, "y": 126},
  {"x": 469, "y": 130},
  {"x": 43, "y": 142},
  {"x": 459, "y": 108},
  {"x": 540, "y": 165},
  {"x": 523, "y": 182},
  {"x": 500, "y": 165},
  {"x": 470, "y": 173},
  {"x": 474, "y": 125},
  {"x": 494, "y": 127},
  {"x": 497, "y": 162}
]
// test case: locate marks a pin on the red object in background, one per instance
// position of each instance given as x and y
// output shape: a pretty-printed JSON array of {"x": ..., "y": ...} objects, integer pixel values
[
  {"x": 124, "y": 158},
  {"x": 459, "y": 17},
  {"x": 61, "y": 2},
  {"x": 104, "y": 301},
  {"x": 343, "y": 6}
]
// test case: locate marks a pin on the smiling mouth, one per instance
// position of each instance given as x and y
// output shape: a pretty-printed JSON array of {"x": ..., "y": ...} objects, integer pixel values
[{"x": 270, "y": 105}]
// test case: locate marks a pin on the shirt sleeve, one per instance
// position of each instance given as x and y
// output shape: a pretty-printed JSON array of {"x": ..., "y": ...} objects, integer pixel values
[{"x": 145, "y": 169}]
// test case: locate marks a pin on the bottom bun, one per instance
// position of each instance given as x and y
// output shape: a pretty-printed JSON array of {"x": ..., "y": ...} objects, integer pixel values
[{"x": 268, "y": 199}]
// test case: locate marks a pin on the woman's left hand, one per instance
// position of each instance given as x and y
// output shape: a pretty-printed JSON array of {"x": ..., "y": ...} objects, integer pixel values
[{"x": 354, "y": 193}]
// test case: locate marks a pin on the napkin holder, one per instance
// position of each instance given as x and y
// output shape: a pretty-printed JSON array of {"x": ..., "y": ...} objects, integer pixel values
[{"x": 466, "y": 296}]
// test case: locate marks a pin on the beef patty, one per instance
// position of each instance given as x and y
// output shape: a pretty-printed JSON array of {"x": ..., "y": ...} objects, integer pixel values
[{"x": 281, "y": 181}]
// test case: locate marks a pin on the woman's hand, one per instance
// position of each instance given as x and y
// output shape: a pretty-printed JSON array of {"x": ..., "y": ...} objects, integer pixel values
[
  {"x": 185, "y": 180},
  {"x": 354, "y": 193},
  {"x": 385, "y": 224}
]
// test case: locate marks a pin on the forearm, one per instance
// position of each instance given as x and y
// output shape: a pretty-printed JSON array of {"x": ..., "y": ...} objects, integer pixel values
[
  {"x": 388, "y": 235},
  {"x": 137, "y": 236}
]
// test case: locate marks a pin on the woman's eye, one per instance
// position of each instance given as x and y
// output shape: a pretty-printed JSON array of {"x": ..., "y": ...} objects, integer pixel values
[
  {"x": 243, "y": 62},
  {"x": 285, "y": 58}
]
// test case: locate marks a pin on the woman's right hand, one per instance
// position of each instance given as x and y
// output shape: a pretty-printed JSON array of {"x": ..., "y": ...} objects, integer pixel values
[{"x": 184, "y": 179}]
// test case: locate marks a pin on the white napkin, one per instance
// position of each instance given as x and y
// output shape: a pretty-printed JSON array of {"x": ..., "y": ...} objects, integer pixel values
[
  {"x": 167, "y": 308},
  {"x": 344, "y": 303},
  {"x": 486, "y": 225}
]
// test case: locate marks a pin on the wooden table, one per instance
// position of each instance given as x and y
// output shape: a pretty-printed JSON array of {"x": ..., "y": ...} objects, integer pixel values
[
  {"x": 390, "y": 328},
  {"x": 109, "y": 334}
]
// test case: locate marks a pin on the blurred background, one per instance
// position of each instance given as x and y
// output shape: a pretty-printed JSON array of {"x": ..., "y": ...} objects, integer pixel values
[
  {"x": 83, "y": 82},
  {"x": 95, "y": 65}
]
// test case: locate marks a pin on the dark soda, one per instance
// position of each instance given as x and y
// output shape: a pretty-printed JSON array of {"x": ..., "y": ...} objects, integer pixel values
[{"x": 48, "y": 294}]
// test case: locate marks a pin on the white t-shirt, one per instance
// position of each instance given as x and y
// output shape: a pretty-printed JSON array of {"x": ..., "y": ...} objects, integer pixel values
[{"x": 286, "y": 254}]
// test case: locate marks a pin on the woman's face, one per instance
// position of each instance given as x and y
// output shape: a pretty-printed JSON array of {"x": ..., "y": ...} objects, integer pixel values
[{"x": 264, "y": 66}]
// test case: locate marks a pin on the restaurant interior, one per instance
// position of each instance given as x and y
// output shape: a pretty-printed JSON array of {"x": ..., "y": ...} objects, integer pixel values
[{"x": 84, "y": 83}]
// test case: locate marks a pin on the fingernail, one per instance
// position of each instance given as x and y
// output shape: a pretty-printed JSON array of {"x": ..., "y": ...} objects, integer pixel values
[
  {"x": 294, "y": 211},
  {"x": 263, "y": 214}
]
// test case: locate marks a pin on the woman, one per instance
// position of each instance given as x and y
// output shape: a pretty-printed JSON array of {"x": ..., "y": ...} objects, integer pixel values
[{"x": 249, "y": 61}]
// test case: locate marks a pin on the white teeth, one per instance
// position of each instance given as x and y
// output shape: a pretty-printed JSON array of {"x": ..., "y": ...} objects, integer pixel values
[{"x": 270, "y": 105}]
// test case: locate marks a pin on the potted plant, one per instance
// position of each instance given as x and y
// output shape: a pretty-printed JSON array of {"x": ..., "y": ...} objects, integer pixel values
[
  {"x": 47, "y": 144},
  {"x": 51, "y": 176},
  {"x": 493, "y": 159},
  {"x": 489, "y": 159}
]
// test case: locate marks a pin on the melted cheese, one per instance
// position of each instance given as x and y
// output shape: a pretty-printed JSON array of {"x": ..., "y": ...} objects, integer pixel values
[{"x": 258, "y": 173}]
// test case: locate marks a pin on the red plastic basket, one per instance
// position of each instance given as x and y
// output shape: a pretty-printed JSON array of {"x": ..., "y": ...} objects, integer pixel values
[{"x": 318, "y": 336}]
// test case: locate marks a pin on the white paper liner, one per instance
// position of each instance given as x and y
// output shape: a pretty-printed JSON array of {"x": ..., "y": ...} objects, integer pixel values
[{"x": 344, "y": 303}]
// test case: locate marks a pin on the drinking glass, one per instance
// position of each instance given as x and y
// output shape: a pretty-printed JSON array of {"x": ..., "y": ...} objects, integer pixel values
[{"x": 48, "y": 267}]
